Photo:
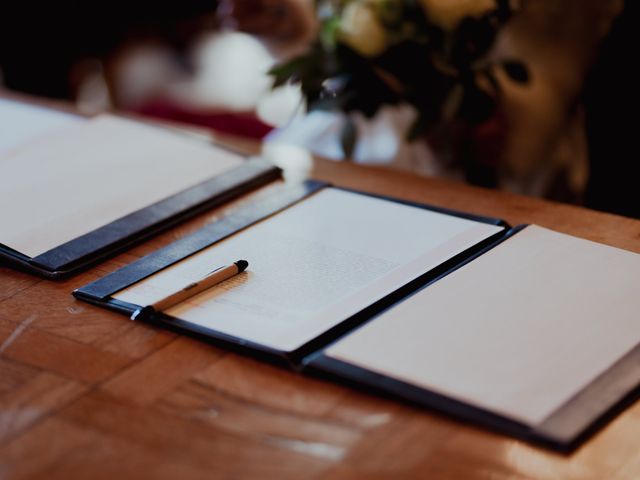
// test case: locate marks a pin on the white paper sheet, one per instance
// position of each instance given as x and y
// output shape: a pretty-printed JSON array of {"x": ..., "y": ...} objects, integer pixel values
[
  {"x": 312, "y": 266},
  {"x": 518, "y": 331},
  {"x": 21, "y": 123},
  {"x": 89, "y": 174}
]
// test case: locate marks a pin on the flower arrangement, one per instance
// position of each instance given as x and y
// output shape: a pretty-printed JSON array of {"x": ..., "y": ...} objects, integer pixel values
[{"x": 431, "y": 54}]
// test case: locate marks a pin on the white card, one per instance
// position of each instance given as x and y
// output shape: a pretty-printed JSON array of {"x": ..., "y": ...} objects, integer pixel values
[{"x": 518, "y": 331}]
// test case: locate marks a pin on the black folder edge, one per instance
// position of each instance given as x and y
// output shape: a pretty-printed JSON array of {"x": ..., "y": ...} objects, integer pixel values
[
  {"x": 564, "y": 430},
  {"x": 96, "y": 246}
]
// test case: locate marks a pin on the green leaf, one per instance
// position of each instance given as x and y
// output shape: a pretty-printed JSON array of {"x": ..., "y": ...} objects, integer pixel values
[{"x": 329, "y": 33}]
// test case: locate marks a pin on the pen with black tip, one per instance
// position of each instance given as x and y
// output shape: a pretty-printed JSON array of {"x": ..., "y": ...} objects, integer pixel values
[{"x": 213, "y": 278}]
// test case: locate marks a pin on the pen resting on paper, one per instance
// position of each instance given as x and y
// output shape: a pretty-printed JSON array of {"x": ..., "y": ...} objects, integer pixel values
[{"x": 213, "y": 278}]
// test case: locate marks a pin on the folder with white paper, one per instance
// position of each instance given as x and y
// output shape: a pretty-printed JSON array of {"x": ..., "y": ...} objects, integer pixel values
[
  {"x": 66, "y": 177},
  {"x": 525, "y": 330}
]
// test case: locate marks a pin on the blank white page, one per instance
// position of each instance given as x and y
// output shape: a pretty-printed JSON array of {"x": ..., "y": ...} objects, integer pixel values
[
  {"x": 87, "y": 175},
  {"x": 518, "y": 331},
  {"x": 21, "y": 123},
  {"x": 312, "y": 266}
]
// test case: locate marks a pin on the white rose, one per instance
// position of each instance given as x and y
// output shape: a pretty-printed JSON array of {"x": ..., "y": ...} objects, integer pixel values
[
  {"x": 448, "y": 13},
  {"x": 361, "y": 30}
]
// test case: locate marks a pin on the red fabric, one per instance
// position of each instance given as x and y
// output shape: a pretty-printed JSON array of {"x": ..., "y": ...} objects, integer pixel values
[
  {"x": 241, "y": 124},
  {"x": 489, "y": 140}
]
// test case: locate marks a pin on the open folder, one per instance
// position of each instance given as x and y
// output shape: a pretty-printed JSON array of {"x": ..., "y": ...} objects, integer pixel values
[
  {"x": 525, "y": 330},
  {"x": 75, "y": 190}
]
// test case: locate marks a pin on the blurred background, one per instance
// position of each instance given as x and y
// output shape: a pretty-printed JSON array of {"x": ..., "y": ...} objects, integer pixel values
[{"x": 566, "y": 135}]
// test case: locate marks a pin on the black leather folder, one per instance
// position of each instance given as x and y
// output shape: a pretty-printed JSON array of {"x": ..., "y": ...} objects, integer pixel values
[{"x": 564, "y": 430}]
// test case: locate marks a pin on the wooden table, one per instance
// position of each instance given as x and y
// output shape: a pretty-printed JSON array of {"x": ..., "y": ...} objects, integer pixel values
[{"x": 86, "y": 393}]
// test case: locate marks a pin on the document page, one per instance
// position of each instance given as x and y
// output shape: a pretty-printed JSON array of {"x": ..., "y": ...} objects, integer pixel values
[
  {"x": 21, "y": 123},
  {"x": 312, "y": 266},
  {"x": 63, "y": 185},
  {"x": 518, "y": 331}
]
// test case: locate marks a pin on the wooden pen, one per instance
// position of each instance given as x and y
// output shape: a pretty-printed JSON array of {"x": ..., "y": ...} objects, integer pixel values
[{"x": 213, "y": 278}]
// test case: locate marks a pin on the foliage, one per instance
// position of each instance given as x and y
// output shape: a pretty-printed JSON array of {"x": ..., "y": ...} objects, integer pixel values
[{"x": 370, "y": 53}]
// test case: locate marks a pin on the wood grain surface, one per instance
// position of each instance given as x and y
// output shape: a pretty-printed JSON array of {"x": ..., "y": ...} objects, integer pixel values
[{"x": 86, "y": 393}]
